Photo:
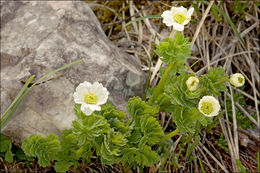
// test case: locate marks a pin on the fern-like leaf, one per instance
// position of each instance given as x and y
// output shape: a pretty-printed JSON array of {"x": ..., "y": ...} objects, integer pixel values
[
  {"x": 114, "y": 117},
  {"x": 213, "y": 83},
  {"x": 139, "y": 157},
  {"x": 151, "y": 129},
  {"x": 90, "y": 127},
  {"x": 137, "y": 107},
  {"x": 178, "y": 93},
  {"x": 45, "y": 149},
  {"x": 177, "y": 50}
]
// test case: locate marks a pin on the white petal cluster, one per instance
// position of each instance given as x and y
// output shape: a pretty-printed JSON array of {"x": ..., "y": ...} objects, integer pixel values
[
  {"x": 237, "y": 79},
  {"x": 209, "y": 106},
  {"x": 177, "y": 17},
  {"x": 192, "y": 83},
  {"x": 90, "y": 96}
]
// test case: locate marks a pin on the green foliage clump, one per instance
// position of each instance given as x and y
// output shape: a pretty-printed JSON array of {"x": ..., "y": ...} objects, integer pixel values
[
  {"x": 107, "y": 134},
  {"x": 45, "y": 149},
  {"x": 145, "y": 131},
  {"x": 177, "y": 50},
  {"x": 183, "y": 103},
  {"x": 90, "y": 127}
]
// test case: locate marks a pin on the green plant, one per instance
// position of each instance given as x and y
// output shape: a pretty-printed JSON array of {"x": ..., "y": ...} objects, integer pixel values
[
  {"x": 222, "y": 143},
  {"x": 20, "y": 156},
  {"x": 104, "y": 132},
  {"x": 5, "y": 149}
]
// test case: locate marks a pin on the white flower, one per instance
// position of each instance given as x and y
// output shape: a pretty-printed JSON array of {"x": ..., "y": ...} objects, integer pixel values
[
  {"x": 192, "y": 83},
  {"x": 90, "y": 96},
  {"x": 209, "y": 106},
  {"x": 177, "y": 17},
  {"x": 237, "y": 79}
]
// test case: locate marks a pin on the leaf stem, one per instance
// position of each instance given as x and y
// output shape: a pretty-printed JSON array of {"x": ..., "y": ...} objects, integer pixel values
[
  {"x": 170, "y": 135},
  {"x": 161, "y": 84}
]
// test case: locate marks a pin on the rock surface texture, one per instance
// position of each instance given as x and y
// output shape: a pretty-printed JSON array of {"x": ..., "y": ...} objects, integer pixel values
[{"x": 37, "y": 37}]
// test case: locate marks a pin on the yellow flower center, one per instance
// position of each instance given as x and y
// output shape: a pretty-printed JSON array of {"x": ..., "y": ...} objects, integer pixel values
[
  {"x": 179, "y": 18},
  {"x": 207, "y": 107},
  {"x": 193, "y": 82},
  {"x": 90, "y": 99},
  {"x": 240, "y": 80}
]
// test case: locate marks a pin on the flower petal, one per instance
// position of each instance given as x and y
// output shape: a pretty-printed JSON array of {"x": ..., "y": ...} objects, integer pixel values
[
  {"x": 178, "y": 27},
  {"x": 86, "y": 109},
  {"x": 94, "y": 107},
  {"x": 167, "y": 18},
  {"x": 82, "y": 89},
  {"x": 189, "y": 12},
  {"x": 178, "y": 10},
  {"x": 167, "y": 13},
  {"x": 78, "y": 98}
]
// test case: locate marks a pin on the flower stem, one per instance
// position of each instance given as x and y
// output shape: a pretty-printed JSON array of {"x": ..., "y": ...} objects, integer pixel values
[
  {"x": 161, "y": 83},
  {"x": 170, "y": 135}
]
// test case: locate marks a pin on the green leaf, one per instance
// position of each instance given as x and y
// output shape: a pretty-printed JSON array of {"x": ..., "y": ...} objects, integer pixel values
[
  {"x": 151, "y": 129},
  {"x": 140, "y": 157},
  {"x": 5, "y": 144},
  {"x": 177, "y": 50},
  {"x": 186, "y": 119},
  {"x": 192, "y": 146},
  {"x": 178, "y": 93},
  {"x": 78, "y": 111},
  {"x": 258, "y": 161},
  {"x": 137, "y": 107},
  {"x": 62, "y": 166},
  {"x": 9, "y": 156},
  {"x": 201, "y": 166},
  {"x": 114, "y": 117},
  {"x": 213, "y": 83},
  {"x": 20, "y": 155},
  {"x": 240, "y": 166},
  {"x": 109, "y": 146}
]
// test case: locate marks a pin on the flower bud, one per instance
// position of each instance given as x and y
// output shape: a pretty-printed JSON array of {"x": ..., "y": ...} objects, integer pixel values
[
  {"x": 237, "y": 79},
  {"x": 192, "y": 83}
]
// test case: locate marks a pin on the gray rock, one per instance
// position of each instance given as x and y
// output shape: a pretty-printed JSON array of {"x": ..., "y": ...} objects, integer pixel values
[{"x": 37, "y": 37}]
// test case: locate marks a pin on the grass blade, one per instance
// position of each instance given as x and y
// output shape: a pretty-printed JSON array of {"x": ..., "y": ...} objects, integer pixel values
[
  {"x": 19, "y": 99},
  {"x": 258, "y": 161},
  {"x": 240, "y": 166},
  {"x": 18, "y": 96},
  {"x": 201, "y": 166}
]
